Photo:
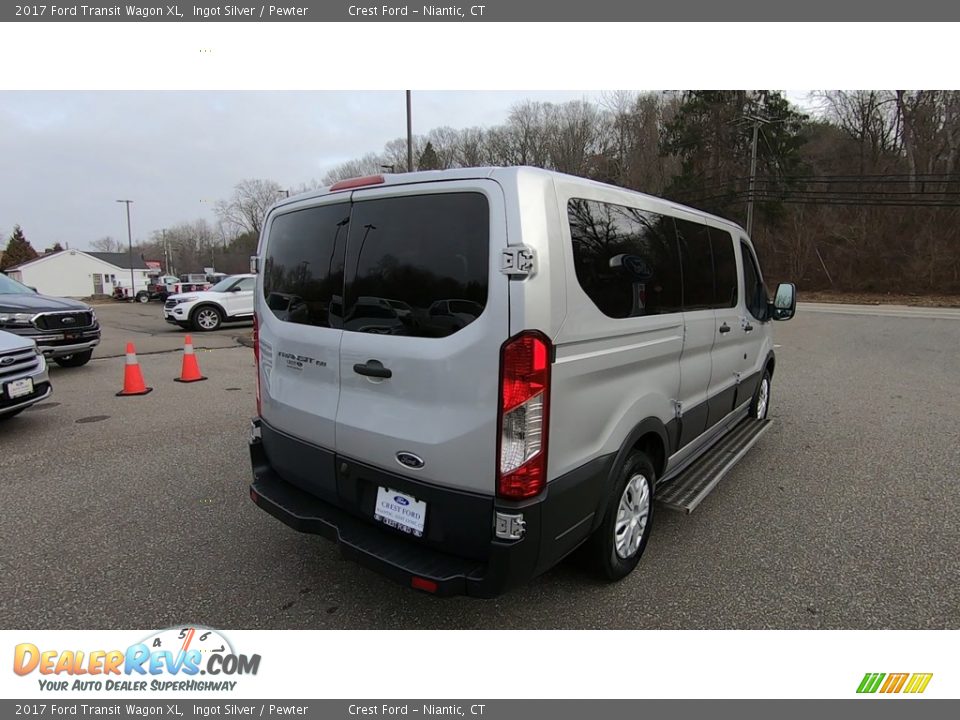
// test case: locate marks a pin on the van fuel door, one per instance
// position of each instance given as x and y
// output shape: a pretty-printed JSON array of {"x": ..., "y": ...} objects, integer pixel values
[{"x": 518, "y": 261}]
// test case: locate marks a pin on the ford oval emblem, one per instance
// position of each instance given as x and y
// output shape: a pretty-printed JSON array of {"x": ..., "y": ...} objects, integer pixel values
[
  {"x": 7, "y": 360},
  {"x": 408, "y": 459},
  {"x": 400, "y": 500}
]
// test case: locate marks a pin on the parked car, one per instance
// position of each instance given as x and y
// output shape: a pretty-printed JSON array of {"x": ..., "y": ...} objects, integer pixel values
[
  {"x": 584, "y": 350},
  {"x": 230, "y": 300},
  {"x": 23, "y": 375},
  {"x": 65, "y": 330}
]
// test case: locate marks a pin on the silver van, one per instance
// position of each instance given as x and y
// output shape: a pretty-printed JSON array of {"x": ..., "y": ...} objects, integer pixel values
[{"x": 491, "y": 367}]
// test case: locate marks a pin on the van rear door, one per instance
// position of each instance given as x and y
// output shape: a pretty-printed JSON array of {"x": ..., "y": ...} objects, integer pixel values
[
  {"x": 425, "y": 312},
  {"x": 299, "y": 335}
]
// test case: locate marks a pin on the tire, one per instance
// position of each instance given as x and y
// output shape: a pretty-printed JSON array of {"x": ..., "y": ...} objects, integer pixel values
[
  {"x": 7, "y": 416},
  {"x": 206, "y": 318},
  {"x": 760, "y": 405},
  {"x": 75, "y": 360},
  {"x": 615, "y": 548},
  {"x": 143, "y": 297}
]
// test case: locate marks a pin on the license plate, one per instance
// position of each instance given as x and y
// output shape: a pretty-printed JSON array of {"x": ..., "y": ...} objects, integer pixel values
[
  {"x": 71, "y": 336},
  {"x": 400, "y": 511},
  {"x": 19, "y": 388}
]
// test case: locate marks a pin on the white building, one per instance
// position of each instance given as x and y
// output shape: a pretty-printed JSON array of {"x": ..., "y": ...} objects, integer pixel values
[{"x": 79, "y": 274}]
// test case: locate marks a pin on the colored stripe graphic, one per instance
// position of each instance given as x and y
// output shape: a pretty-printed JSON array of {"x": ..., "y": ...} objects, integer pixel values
[
  {"x": 918, "y": 682},
  {"x": 870, "y": 682},
  {"x": 894, "y": 683}
]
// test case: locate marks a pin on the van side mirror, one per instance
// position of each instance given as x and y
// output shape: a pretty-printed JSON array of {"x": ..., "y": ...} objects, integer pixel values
[{"x": 784, "y": 304}]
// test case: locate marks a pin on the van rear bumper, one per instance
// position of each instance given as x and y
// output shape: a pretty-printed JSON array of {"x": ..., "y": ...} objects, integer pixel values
[{"x": 403, "y": 559}]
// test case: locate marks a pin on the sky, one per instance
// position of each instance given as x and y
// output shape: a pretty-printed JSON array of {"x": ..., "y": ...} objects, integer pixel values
[{"x": 68, "y": 156}]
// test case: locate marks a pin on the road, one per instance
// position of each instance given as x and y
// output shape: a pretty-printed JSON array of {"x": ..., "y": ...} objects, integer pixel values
[{"x": 133, "y": 512}]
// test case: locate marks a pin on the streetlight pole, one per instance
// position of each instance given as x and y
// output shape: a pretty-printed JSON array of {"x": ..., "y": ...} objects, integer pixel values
[
  {"x": 409, "y": 135},
  {"x": 133, "y": 286}
]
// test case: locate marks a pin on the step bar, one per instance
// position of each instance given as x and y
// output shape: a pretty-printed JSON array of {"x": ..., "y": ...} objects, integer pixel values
[{"x": 688, "y": 489}]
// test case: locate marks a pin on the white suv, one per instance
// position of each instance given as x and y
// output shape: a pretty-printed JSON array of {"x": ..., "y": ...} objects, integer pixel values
[{"x": 230, "y": 300}]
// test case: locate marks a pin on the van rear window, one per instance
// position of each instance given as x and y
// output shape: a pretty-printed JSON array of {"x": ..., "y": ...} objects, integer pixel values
[
  {"x": 417, "y": 265},
  {"x": 303, "y": 266}
]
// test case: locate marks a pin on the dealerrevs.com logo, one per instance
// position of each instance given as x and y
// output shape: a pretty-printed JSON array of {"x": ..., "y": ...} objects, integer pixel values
[
  {"x": 172, "y": 659},
  {"x": 891, "y": 683}
]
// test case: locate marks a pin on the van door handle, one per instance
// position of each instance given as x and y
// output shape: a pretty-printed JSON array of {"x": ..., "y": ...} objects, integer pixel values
[
  {"x": 724, "y": 328},
  {"x": 747, "y": 327},
  {"x": 373, "y": 368}
]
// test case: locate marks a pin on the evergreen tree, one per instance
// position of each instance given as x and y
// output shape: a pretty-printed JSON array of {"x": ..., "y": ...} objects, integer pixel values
[
  {"x": 712, "y": 134},
  {"x": 428, "y": 159},
  {"x": 18, "y": 249}
]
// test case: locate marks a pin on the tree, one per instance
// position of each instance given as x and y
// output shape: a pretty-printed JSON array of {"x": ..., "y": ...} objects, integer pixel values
[
  {"x": 57, "y": 247},
  {"x": 428, "y": 158},
  {"x": 369, "y": 164},
  {"x": 107, "y": 244},
  {"x": 19, "y": 250},
  {"x": 712, "y": 135},
  {"x": 248, "y": 206}
]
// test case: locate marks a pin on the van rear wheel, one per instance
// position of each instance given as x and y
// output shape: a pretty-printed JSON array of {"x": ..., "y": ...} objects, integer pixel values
[{"x": 618, "y": 543}]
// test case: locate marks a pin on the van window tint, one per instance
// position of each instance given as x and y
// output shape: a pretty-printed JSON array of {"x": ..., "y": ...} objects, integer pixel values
[
  {"x": 625, "y": 259},
  {"x": 417, "y": 265},
  {"x": 697, "y": 265},
  {"x": 724, "y": 269},
  {"x": 303, "y": 267}
]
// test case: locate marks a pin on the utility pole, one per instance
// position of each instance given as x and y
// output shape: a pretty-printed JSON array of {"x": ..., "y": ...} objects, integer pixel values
[
  {"x": 133, "y": 285},
  {"x": 753, "y": 174},
  {"x": 409, "y": 135}
]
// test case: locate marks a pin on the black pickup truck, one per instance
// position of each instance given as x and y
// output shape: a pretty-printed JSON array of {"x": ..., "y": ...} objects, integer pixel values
[{"x": 66, "y": 331}]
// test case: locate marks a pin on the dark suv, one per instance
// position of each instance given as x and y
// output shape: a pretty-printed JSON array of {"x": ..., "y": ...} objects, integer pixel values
[{"x": 65, "y": 330}]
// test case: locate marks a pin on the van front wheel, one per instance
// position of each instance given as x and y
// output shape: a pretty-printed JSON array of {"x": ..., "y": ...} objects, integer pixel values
[
  {"x": 760, "y": 404},
  {"x": 620, "y": 540}
]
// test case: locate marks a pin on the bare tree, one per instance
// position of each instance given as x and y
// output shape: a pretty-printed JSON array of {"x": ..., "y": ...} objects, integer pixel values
[
  {"x": 246, "y": 209},
  {"x": 574, "y": 134},
  {"x": 871, "y": 117},
  {"x": 471, "y": 151},
  {"x": 107, "y": 244},
  {"x": 369, "y": 164}
]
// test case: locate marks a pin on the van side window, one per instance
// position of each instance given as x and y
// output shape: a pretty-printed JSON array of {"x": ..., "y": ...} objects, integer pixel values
[
  {"x": 724, "y": 269},
  {"x": 755, "y": 294},
  {"x": 417, "y": 265},
  {"x": 625, "y": 259},
  {"x": 303, "y": 267},
  {"x": 697, "y": 262}
]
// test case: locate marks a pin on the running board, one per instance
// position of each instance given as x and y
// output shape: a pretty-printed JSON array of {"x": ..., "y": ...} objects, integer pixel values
[{"x": 688, "y": 489}]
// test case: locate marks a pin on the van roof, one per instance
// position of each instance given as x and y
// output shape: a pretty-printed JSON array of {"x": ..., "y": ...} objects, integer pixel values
[{"x": 500, "y": 173}]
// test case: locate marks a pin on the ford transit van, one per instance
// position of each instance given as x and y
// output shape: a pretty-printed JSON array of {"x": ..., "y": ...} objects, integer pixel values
[{"x": 491, "y": 367}]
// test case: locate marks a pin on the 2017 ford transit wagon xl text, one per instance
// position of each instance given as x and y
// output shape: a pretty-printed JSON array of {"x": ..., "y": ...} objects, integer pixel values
[{"x": 465, "y": 375}]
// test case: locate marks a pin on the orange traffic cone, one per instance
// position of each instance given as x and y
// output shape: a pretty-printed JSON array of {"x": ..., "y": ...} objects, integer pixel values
[
  {"x": 190, "y": 371},
  {"x": 132, "y": 377}
]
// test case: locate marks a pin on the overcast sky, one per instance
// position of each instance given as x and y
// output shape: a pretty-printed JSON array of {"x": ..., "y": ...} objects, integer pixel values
[{"x": 68, "y": 156}]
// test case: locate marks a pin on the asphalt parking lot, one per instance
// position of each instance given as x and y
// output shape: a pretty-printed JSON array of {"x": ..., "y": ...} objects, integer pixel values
[{"x": 134, "y": 513}]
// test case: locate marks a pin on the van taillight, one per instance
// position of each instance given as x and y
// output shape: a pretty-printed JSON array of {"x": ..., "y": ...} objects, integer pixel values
[
  {"x": 256, "y": 356},
  {"x": 524, "y": 411}
]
